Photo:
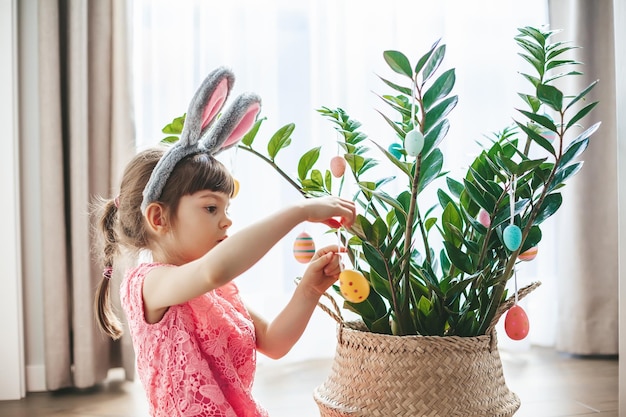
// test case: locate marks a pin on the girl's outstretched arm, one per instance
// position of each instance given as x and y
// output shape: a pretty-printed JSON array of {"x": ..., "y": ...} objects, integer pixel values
[
  {"x": 167, "y": 286},
  {"x": 275, "y": 339}
]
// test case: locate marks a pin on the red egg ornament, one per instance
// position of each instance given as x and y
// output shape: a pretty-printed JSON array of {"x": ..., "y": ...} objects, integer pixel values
[
  {"x": 516, "y": 323},
  {"x": 303, "y": 248},
  {"x": 337, "y": 166}
]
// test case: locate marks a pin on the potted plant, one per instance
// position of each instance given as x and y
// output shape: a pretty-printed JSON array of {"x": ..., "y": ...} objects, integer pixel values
[{"x": 425, "y": 342}]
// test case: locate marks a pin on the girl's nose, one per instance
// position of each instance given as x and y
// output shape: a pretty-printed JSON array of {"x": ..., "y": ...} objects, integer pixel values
[{"x": 226, "y": 222}]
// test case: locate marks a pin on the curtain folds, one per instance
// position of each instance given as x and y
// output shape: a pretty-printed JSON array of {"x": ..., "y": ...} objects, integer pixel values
[
  {"x": 86, "y": 137},
  {"x": 587, "y": 259}
]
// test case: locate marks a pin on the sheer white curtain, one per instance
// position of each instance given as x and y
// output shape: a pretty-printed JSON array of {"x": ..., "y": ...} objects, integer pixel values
[{"x": 302, "y": 55}]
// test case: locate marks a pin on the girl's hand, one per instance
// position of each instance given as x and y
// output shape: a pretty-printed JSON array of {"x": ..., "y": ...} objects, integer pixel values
[
  {"x": 323, "y": 270},
  {"x": 327, "y": 209}
]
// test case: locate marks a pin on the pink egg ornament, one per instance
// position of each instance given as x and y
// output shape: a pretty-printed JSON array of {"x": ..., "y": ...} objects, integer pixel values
[
  {"x": 484, "y": 218},
  {"x": 337, "y": 166},
  {"x": 528, "y": 255},
  {"x": 303, "y": 248},
  {"x": 516, "y": 323}
]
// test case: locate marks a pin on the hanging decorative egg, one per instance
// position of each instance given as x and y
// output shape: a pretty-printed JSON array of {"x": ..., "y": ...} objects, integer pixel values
[
  {"x": 236, "y": 189},
  {"x": 353, "y": 285},
  {"x": 512, "y": 237},
  {"x": 548, "y": 135},
  {"x": 528, "y": 255},
  {"x": 516, "y": 323},
  {"x": 484, "y": 218},
  {"x": 396, "y": 150},
  {"x": 337, "y": 166},
  {"x": 414, "y": 142},
  {"x": 303, "y": 248}
]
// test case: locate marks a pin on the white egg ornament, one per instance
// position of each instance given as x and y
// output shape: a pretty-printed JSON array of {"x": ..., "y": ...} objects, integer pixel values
[
  {"x": 512, "y": 237},
  {"x": 337, "y": 166},
  {"x": 353, "y": 286},
  {"x": 528, "y": 255},
  {"x": 413, "y": 142},
  {"x": 303, "y": 248},
  {"x": 516, "y": 323}
]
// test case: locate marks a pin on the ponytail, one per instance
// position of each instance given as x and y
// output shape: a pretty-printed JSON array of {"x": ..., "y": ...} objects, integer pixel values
[{"x": 107, "y": 319}]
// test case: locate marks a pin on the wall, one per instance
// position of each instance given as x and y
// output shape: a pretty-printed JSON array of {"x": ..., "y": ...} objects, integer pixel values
[
  {"x": 12, "y": 385},
  {"x": 619, "y": 10}
]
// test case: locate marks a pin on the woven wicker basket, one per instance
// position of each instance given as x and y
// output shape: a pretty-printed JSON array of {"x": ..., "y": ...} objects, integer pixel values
[{"x": 382, "y": 375}]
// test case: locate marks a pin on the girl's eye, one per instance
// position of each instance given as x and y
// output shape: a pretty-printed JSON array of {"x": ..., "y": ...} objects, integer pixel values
[{"x": 212, "y": 209}]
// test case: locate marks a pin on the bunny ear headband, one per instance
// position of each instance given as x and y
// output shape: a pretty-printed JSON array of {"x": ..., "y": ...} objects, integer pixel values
[{"x": 197, "y": 137}]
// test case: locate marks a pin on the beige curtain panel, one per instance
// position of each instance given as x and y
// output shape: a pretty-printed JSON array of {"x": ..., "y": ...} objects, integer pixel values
[
  {"x": 587, "y": 263},
  {"x": 86, "y": 137}
]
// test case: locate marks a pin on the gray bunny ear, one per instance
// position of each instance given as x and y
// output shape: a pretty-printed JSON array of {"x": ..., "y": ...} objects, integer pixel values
[
  {"x": 206, "y": 104},
  {"x": 233, "y": 124}
]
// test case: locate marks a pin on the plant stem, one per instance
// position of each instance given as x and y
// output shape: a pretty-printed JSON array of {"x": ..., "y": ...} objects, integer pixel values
[{"x": 277, "y": 168}]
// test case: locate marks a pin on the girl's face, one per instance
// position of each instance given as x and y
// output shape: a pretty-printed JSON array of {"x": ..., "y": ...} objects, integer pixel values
[{"x": 201, "y": 223}]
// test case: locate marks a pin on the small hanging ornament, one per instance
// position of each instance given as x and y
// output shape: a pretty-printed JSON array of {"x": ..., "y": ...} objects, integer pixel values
[
  {"x": 396, "y": 150},
  {"x": 352, "y": 283},
  {"x": 414, "y": 142},
  {"x": 512, "y": 234},
  {"x": 353, "y": 286},
  {"x": 303, "y": 248},
  {"x": 484, "y": 218},
  {"x": 516, "y": 323},
  {"x": 236, "y": 189},
  {"x": 337, "y": 166},
  {"x": 528, "y": 255},
  {"x": 233, "y": 159}
]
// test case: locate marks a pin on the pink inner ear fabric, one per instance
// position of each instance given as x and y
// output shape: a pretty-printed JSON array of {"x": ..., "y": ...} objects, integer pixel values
[
  {"x": 215, "y": 103},
  {"x": 244, "y": 125}
]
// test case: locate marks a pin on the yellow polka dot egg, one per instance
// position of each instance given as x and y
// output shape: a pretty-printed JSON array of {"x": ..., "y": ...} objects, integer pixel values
[{"x": 353, "y": 286}]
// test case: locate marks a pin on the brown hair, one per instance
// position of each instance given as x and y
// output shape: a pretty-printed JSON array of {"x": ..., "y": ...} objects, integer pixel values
[{"x": 121, "y": 222}]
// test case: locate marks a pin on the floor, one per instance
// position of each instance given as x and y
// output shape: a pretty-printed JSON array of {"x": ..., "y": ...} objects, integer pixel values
[{"x": 549, "y": 384}]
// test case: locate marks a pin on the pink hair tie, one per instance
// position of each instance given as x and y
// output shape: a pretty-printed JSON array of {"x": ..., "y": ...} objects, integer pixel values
[{"x": 107, "y": 272}]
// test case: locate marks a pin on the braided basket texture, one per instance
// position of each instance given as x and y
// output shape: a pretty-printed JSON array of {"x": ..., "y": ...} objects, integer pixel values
[{"x": 383, "y": 375}]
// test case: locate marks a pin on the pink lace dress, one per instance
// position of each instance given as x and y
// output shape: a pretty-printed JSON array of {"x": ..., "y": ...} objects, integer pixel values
[{"x": 200, "y": 359}]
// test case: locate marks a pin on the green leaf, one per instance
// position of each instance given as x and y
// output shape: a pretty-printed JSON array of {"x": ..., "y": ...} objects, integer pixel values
[
  {"x": 176, "y": 126},
  {"x": 435, "y": 135},
  {"x": 438, "y": 112},
  {"x": 573, "y": 150},
  {"x": 424, "y": 58},
  {"x": 279, "y": 140},
  {"x": 248, "y": 138},
  {"x": 582, "y": 94},
  {"x": 549, "y": 206},
  {"x": 307, "y": 161},
  {"x": 455, "y": 187},
  {"x": 433, "y": 62},
  {"x": 404, "y": 167},
  {"x": 550, "y": 95},
  {"x": 537, "y": 138},
  {"x": 540, "y": 119},
  {"x": 399, "y": 88},
  {"x": 379, "y": 229},
  {"x": 582, "y": 113},
  {"x": 563, "y": 174},
  {"x": 458, "y": 258},
  {"x": 170, "y": 139},
  {"x": 430, "y": 169},
  {"x": 440, "y": 89},
  {"x": 398, "y": 62}
]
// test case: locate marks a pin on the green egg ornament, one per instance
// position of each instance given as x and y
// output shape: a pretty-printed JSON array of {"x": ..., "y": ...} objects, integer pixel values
[
  {"x": 353, "y": 286},
  {"x": 413, "y": 142},
  {"x": 396, "y": 150},
  {"x": 512, "y": 237}
]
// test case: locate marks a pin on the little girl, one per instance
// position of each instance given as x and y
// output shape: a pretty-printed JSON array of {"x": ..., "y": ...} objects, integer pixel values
[{"x": 194, "y": 339}]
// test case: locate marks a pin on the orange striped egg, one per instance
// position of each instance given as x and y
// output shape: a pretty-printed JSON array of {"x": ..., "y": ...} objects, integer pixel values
[
  {"x": 303, "y": 248},
  {"x": 353, "y": 286},
  {"x": 528, "y": 255}
]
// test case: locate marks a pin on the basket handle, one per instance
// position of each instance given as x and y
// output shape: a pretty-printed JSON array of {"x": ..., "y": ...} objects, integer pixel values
[
  {"x": 509, "y": 302},
  {"x": 336, "y": 314}
]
